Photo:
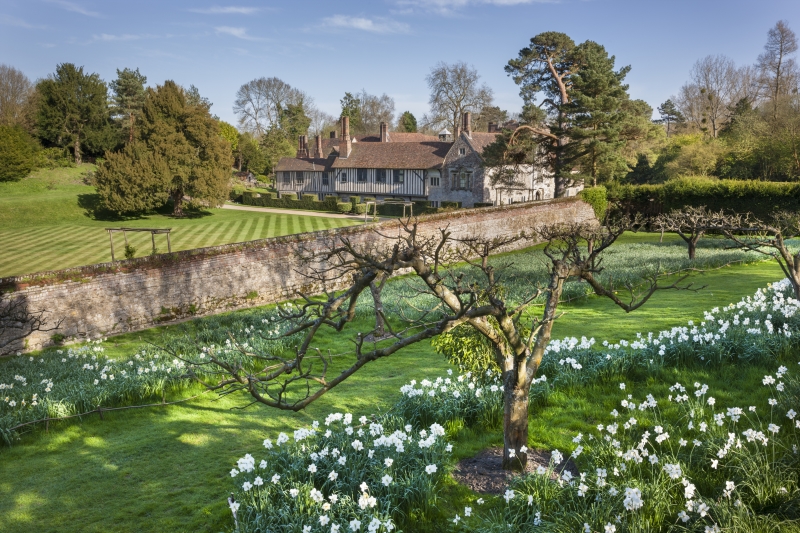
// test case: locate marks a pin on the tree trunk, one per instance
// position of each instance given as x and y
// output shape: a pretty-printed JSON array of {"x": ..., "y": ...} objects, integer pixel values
[
  {"x": 177, "y": 203},
  {"x": 515, "y": 424},
  {"x": 376, "y": 287},
  {"x": 77, "y": 148},
  {"x": 692, "y": 248}
]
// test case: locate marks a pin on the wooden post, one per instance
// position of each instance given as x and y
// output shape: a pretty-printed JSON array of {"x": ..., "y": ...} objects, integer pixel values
[
  {"x": 153, "y": 238},
  {"x": 111, "y": 238},
  {"x": 126, "y": 238},
  {"x": 169, "y": 246}
]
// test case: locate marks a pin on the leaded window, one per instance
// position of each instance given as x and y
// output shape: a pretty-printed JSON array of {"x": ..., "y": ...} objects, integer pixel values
[
  {"x": 287, "y": 177},
  {"x": 361, "y": 174},
  {"x": 399, "y": 176},
  {"x": 380, "y": 175}
]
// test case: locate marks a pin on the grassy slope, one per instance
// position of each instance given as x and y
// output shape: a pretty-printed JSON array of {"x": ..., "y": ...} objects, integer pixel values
[
  {"x": 44, "y": 225},
  {"x": 166, "y": 469}
]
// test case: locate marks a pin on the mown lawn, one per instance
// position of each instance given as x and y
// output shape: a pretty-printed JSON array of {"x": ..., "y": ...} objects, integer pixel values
[
  {"x": 166, "y": 469},
  {"x": 46, "y": 223}
]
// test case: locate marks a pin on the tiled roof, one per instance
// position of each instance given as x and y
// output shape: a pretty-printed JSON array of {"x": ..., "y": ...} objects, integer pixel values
[
  {"x": 421, "y": 155},
  {"x": 306, "y": 164},
  {"x": 479, "y": 141}
]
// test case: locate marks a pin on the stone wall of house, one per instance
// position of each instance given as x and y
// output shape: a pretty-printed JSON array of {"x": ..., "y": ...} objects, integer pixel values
[
  {"x": 454, "y": 162},
  {"x": 108, "y": 299}
]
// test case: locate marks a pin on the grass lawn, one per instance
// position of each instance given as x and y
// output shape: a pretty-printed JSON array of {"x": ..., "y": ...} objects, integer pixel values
[
  {"x": 166, "y": 469},
  {"x": 45, "y": 225}
]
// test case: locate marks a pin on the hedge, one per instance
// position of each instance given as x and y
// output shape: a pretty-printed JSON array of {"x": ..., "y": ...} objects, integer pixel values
[
  {"x": 290, "y": 201},
  {"x": 344, "y": 207},
  {"x": 597, "y": 197},
  {"x": 761, "y": 198}
]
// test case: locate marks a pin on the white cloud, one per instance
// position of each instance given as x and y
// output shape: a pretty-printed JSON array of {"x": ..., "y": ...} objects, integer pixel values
[
  {"x": 124, "y": 37},
  {"x": 239, "y": 33},
  {"x": 75, "y": 8},
  {"x": 377, "y": 25},
  {"x": 226, "y": 10},
  {"x": 8, "y": 20},
  {"x": 449, "y": 6}
]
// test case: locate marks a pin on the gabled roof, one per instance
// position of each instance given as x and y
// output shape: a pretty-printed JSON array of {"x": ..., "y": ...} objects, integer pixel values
[
  {"x": 480, "y": 141},
  {"x": 306, "y": 164},
  {"x": 421, "y": 155}
]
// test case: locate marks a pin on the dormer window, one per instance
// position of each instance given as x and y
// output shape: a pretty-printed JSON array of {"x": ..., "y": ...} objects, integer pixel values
[{"x": 462, "y": 151}]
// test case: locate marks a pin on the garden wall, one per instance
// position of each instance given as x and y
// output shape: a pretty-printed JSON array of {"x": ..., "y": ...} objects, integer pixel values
[{"x": 112, "y": 298}]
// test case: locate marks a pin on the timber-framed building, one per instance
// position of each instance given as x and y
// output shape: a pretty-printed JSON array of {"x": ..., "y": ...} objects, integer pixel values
[{"x": 408, "y": 166}]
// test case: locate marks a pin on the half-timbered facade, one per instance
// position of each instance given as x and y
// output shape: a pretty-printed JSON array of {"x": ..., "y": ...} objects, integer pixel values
[{"x": 407, "y": 166}]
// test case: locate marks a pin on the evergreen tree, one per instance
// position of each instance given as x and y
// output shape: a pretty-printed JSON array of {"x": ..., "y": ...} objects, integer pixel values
[
  {"x": 182, "y": 143},
  {"x": 407, "y": 123},
  {"x": 17, "y": 153},
  {"x": 351, "y": 107},
  {"x": 128, "y": 98},
  {"x": 670, "y": 114},
  {"x": 232, "y": 135},
  {"x": 275, "y": 145},
  {"x": 294, "y": 121},
  {"x": 73, "y": 109},
  {"x": 133, "y": 180}
]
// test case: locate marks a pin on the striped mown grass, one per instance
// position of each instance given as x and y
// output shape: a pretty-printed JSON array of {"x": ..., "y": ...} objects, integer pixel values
[{"x": 44, "y": 227}]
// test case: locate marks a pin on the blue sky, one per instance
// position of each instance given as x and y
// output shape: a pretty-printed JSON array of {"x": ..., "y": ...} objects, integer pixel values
[{"x": 326, "y": 48}]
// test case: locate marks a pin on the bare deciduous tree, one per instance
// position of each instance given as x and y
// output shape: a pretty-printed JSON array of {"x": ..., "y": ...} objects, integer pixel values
[
  {"x": 768, "y": 238},
  {"x": 690, "y": 223},
  {"x": 715, "y": 88},
  {"x": 17, "y": 322},
  {"x": 455, "y": 89},
  {"x": 779, "y": 73},
  {"x": 15, "y": 92},
  {"x": 259, "y": 103},
  {"x": 518, "y": 341},
  {"x": 374, "y": 110}
]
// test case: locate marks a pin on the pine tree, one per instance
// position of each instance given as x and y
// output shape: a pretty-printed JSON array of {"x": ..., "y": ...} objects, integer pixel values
[
  {"x": 670, "y": 114},
  {"x": 128, "y": 98},
  {"x": 133, "y": 180}
]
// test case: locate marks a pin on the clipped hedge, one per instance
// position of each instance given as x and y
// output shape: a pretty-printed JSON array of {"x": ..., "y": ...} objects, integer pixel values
[
  {"x": 359, "y": 209},
  {"x": 761, "y": 198},
  {"x": 597, "y": 197},
  {"x": 484, "y": 204},
  {"x": 344, "y": 207},
  {"x": 290, "y": 201}
]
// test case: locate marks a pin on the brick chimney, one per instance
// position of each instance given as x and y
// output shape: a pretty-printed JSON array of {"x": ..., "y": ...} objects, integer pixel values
[
  {"x": 384, "y": 132},
  {"x": 468, "y": 124},
  {"x": 345, "y": 145},
  {"x": 319, "y": 146},
  {"x": 302, "y": 147}
]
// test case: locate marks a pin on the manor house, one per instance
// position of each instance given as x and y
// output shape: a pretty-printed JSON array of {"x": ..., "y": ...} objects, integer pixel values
[{"x": 408, "y": 166}]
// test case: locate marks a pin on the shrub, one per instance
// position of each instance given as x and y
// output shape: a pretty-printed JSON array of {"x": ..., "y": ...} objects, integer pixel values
[
  {"x": 17, "y": 153},
  {"x": 289, "y": 195},
  {"x": 761, "y": 198},
  {"x": 344, "y": 207},
  {"x": 484, "y": 204},
  {"x": 596, "y": 197},
  {"x": 310, "y": 198},
  {"x": 369, "y": 199},
  {"x": 450, "y": 205},
  {"x": 55, "y": 158},
  {"x": 355, "y": 200},
  {"x": 360, "y": 209},
  {"x": 236, "y": 192},
  {"x": 130, "y": 251}
]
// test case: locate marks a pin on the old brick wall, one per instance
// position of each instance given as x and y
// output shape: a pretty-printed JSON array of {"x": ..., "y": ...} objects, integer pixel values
[{"x": 130, "y": 295}]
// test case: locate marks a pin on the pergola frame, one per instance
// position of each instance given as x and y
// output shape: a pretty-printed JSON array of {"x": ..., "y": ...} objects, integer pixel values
[
  {"x": 405, "y": 204},
  {"x": 153, "y": 233}
]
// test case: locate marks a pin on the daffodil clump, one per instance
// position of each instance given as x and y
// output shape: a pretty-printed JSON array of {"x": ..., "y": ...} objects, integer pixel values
[
  {"x": 78, "y": 380},
  {"x": 344, "y": 475},
  {"x": 703, "y": 467}
]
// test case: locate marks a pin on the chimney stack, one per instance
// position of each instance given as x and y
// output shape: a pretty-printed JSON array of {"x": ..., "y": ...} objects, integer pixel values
[
  {"x": 468, "y": 124},
  {"x": 302, "y": 147},
  {"x": 319, "y": 146},
  {"x": 345, "y": 145},
  {"x": 384, "y": 132}
]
